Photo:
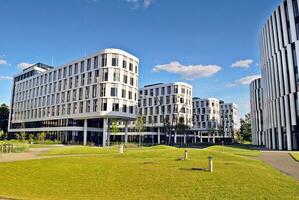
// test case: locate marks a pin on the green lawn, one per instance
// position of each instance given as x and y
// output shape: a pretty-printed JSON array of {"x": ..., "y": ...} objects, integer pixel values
[
  {"x": 295, "y": 155},
  {"x": 147, "y": 173}
]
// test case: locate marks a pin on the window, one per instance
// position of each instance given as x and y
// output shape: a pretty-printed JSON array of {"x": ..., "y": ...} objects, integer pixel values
[
  {"x": 130, "y": 66},
  {"x": 70, "y": 70},
  {"x": 87, "y": 92},
  {"x": 113, "y": 92},
  {"x": 74, "y": 95},
  {"x": 124, "y": 64},
  {"x": 75, "y": 108},
  {"x": 87, "y": 106},
  {"x": 104, "y": 105},
  {"x": 89, "y": 77},
  {"x": 132, "y": 81},
  {"x": 115, "y": 106},
  {"x": 162, "y": 91},
  {"x": 125, "y": 79},
  {"x": 136, "y": 69},
  {"x": 80, "y": 93},
  {"x": 95, "y": 62},
  {"x": 88, "y": 64},
  {"x": 114, "y": 60},
  {"x": 105, "y": 75},
  {"x": 95, "y": 105},
  {"x": 70, "y": 83},
  {"x": 102, "y": 89},
  {"x": 123, "y": 93},
  {"x": 131, "y": 109},
  {"x": 59, "y": 74},
  {"x": 64, "y": 72},
  {"x": 104, "y": 60},
  {"x": 76, "y": 68},
  {"x": 81, "y": 107},
  {"x": 68, "y": 96},
  {"x": 157, "y": 92},
  {"x": 76, "y": 81},
  {"x": 82, "y": 66},
  {"x": 168, "y": 89},
  {"x": 82, "y": 79},
  {"x": 124, "y": 109},
  {"x": 96, "y": 76},
  {"x": 94, "y": 91},
  {"x": 116, "y": 75}
]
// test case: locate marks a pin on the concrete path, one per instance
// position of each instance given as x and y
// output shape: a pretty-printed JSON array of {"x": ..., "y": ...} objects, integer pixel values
[{"x": 282, "y": 161}]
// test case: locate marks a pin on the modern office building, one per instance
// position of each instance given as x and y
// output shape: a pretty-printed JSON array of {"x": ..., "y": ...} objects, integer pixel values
[
  {"x": 256, "y": 106},
  {"x": 228, "y": 119},
  {"x": 76, "y": 101},
  {"x": 165, "y": 105},
  {"x": 214, "y": 120},
  {"x": 279, "y": 51}
]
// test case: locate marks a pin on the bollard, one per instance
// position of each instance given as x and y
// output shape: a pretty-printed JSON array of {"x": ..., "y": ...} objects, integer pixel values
[
  {"x": 210, "y": 163},
  {"x": 186, "y": 155},
  {"x": 121, "y": 149}
]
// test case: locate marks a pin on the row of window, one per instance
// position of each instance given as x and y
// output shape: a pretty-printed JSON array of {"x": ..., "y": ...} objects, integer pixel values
[
  {"x": 77, "y": 95},
  {"x": 163, "y": 110},
  {"x": 75, "y": 108},
  {"x": 161, "y": 91},
  {"x": 83, "y": 79},
  {"x": 163, "y": 100}
]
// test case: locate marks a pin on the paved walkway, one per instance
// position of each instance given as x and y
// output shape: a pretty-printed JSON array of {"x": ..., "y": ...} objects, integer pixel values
[{"x": 282, "y": 161}]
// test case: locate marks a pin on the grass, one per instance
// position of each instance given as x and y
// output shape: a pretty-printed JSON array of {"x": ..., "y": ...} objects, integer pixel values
[
  {"x": 295, "y": 155},
  {"x": 147, "y": 173},
  {"x": 44, "y": 146}
]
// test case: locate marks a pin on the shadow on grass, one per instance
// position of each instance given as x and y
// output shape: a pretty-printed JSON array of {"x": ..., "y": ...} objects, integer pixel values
[{"x": 195, "y": 169}]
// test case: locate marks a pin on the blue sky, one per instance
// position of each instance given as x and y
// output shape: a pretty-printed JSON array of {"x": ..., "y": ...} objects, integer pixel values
[{"x": 196, "y": 41}]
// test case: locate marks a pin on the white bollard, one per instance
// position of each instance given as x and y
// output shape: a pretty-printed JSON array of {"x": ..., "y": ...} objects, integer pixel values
[
  {"x": 121, "y": 149},
  {"x": 186, "y": 155},
  {"x": 210, "y": 163}
]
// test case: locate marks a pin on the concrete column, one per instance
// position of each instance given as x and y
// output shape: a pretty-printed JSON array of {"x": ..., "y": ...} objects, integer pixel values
[
  {"x": 126, "y": 132},
  {"x": 200, "y": 137},
  {"x": 185, "y": 139},
  {"x": 195, "y": 136},
  {"x": 105, "y": 126},
  {"x": 279, "y": 139},
  {"x": 175, "y": 137},
  {"x": 159, "y": 136},
  {"x": 85, "y": 132},
  {"x": 108, "y": 132},
  {"x": 209, "y": 137},
  {"x": 213, "y": 138}
]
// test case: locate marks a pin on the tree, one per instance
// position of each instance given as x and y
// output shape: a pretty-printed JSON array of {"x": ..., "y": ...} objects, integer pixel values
[
  {"x": 182, "y": 129},
  {"x": 245, "y": 128},
  {"x": 114, "y": 127},
  {"x": 4, "y": 114},
  {"x": 139, "y": 127},
  {"x": 42, "y": 136}
]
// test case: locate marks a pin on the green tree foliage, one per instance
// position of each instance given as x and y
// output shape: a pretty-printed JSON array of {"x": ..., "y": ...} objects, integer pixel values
[
  {"x": 114, "y": 126},
  {"x": 245, "y": 128},
  {"x": 139, "y": 127},
  {"x": 42, "y": 136},
  {"x": 4, "y": 114}
]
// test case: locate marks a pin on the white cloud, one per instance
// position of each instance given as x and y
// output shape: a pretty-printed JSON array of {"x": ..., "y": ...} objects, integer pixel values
[
  {"x": 242, "y": 63},
  {"x": 24, "y": 65},
  {"x": 5, "y": 78},
  {"x": 243, "y": 81},
  {"x": 3, "y": 62},
  {"x": 188, "y": 72},
  {"x": 139, "y": 3}
]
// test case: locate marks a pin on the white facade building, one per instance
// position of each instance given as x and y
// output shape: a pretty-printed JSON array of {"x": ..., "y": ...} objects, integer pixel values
[
  {"x": 161, "y": 104},
  {"x": 214, "y": 120},
  {"x": 75, "y": 102},
  {"x": 228, "y": 119},
  {"x": 279, "y": 56}
]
